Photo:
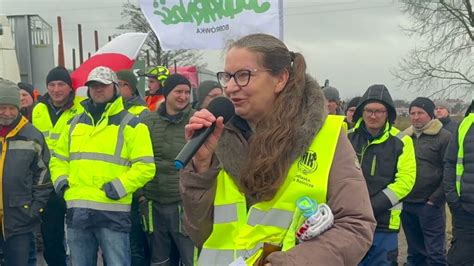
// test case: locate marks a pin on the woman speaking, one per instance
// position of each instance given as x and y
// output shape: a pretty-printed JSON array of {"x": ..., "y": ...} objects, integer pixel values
[{"x": 252, "y": 193}]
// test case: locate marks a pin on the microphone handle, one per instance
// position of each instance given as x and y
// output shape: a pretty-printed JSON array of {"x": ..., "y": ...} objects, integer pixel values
[{"x": 193, "y": 145}]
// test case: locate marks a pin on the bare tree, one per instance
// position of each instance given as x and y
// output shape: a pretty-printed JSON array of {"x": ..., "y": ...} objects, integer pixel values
[
  {"x": 152, "y": 48},
  {"x": 444, "y": 65}
]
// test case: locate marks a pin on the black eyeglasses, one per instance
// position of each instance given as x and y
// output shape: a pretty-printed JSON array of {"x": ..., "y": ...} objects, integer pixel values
[
  {"x": 241, "y": 77},
  {"x": 374, "y": 112}
]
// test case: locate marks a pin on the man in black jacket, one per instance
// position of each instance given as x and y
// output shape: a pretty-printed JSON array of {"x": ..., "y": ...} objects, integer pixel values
[
  {"x": 387, "y": 159},
  {"x": 423, "y": 215},
  {"x": 458, "y": 185},
  {"x": 25, "y": 180}
]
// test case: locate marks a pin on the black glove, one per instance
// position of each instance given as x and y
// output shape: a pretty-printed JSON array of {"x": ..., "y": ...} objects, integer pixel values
[
  {"x": 110, "y": 191},
  {"x": 380, "y": 203},
  {"x": 62, "y": 189}
]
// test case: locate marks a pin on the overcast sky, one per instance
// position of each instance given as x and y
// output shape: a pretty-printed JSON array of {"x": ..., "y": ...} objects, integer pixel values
[{"x": 352, "y": 43}]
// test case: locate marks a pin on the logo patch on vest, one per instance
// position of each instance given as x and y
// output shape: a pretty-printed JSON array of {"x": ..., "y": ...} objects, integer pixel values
[{"x": 308, "y": 163}]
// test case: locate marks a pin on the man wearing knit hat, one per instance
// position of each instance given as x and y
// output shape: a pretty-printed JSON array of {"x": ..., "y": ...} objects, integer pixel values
[
  {"x": 27, "y": 99},
  {"x": 162, "y": 193},
  {"x": 443, "y": 113},
  {"x": 130, "y": 95},
  {"x": 350, "y": 109},
  {"x": 333, "y": 100},
  {"x": 387, "y": 160},
  {"x": 26, "y": 184},
  {"x": 102, "y": 158},
  {"x": 50, "y": 115},
  {"x": 207, "y": 91},
  {"x": 423, "y": 215}
]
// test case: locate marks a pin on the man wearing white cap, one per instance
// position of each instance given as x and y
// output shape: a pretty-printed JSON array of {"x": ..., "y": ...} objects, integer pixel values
[{"x": 104, "y": 157}]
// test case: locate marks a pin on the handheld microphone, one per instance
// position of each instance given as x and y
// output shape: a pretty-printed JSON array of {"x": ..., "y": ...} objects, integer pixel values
[{"x": 220, "y": 106}]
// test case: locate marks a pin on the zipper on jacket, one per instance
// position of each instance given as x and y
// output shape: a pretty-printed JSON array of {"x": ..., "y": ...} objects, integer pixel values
[
  {"x": 374, "y": 162},
  {"x": 3, "y": 156},
  {"x": 364, "y": 149},
  {"x": 2, "y": 162}
]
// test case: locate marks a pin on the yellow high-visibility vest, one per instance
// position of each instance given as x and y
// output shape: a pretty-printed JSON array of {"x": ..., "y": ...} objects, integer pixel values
[
  {"x": 238, "y": 232},
  {"x": 462, "y": 131}
]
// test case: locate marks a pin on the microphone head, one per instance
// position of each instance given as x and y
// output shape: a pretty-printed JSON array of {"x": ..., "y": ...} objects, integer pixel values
[{"x": 221, "y": 106}]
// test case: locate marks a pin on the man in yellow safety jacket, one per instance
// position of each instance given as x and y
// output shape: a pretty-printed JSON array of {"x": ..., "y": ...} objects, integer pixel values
[
  {"x": 50, "y": 116},
  {"x": 103, "y": 156}
]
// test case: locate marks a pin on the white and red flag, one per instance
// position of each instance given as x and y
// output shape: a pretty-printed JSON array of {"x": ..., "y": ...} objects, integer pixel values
[{"x": 118, "y": 54}]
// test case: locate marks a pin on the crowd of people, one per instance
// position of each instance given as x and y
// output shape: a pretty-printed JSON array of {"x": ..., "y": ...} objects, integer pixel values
[{"x": 94, "y": 178}]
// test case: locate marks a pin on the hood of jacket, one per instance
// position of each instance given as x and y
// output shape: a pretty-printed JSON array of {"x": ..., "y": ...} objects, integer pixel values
[
  {"x": 433, "y": 128},
  {"x": 134, "y": 101},
  {"x": 376, "y": 93},
  {"x": 314, "y": 114}
]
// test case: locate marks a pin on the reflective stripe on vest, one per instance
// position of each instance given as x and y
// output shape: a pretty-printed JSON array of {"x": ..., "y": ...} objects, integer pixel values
[
  {"x": 462, "y": 131},
  {"x": 96, "y": 156},
  {"x": 98, "y": 205},
  {"x": 238, "y": 232}
]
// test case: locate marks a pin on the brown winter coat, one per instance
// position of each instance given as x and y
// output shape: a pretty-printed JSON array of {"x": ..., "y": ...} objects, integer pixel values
[{"x": 344, "y": 244}]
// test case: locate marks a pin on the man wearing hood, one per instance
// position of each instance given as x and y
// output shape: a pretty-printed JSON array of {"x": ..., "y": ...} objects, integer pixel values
[
  {"x": 458, "y": 183},
  {"x": 50, "y": 116},
  {"x": 160, "y": 200},
  {"x": 101, "y": 159},
  {"x": 423, "y": 214},
  {"x": 387, "y": 159}
]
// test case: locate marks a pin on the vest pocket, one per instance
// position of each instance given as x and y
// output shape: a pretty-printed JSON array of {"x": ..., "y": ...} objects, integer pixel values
[{"x": 20, "y": 213}]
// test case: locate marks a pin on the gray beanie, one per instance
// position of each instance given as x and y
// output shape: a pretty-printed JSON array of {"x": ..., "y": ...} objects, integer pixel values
[
  {"x": 9, "y": 93},
  {"x": 331, "y": 94},
  {"x": 443, "y": 104}
]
